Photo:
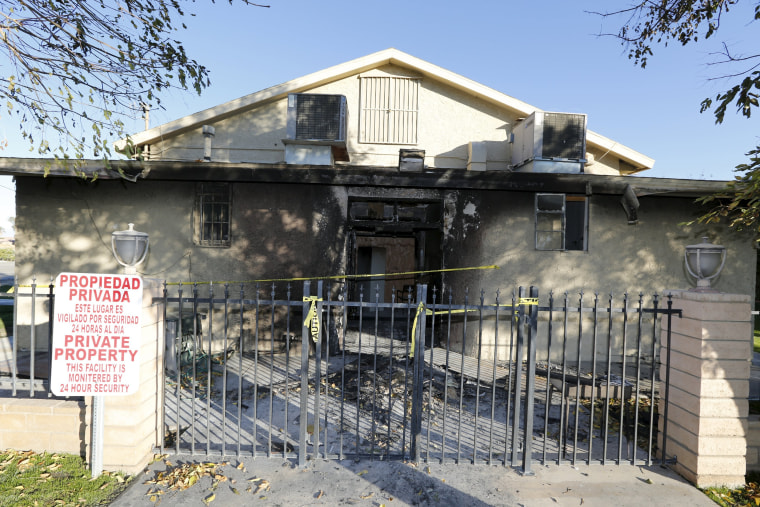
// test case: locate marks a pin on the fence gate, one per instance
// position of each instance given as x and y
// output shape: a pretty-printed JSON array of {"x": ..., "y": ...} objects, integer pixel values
[{"x": 515, "y": 381}]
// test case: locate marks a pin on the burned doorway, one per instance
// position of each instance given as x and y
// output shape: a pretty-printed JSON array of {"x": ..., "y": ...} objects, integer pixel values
[{"x": 394, "y": 235}]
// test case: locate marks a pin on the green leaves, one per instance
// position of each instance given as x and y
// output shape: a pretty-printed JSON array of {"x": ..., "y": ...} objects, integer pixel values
[
  {"x": 77, "y": 67},
  {"x": 648, "y": 24},
  {"x": 744, "y": 96},
  {"x": 738, "y": 205}
]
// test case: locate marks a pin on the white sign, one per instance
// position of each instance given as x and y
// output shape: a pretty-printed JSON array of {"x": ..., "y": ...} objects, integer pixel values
[{"x": 96, "y": 334}]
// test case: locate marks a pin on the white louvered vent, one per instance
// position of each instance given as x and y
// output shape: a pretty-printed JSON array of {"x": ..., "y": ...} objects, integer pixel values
[{"x": 389, "y": 110}]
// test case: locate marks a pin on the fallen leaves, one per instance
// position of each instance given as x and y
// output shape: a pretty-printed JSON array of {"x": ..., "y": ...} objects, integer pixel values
[
  {"x": 182, "y": 477},
  {"x": 261, "y": 485},
  {"x": 186, "y": 475}
]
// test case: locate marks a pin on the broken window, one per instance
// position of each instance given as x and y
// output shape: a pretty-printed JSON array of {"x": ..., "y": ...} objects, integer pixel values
[
  {"x": 212, "y": 214},
  {"x": 561, "y": 222},
  {"x": 362, "y": 212}
]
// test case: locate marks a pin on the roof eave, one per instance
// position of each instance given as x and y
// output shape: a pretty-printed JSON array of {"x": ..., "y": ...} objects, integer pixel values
[
  {"x": 362, "y": 64},
  {"x": 359, "y": 175}
]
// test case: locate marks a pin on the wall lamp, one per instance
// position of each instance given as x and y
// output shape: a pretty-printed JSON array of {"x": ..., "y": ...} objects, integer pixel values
[
  {"x": 129, "y": 247},
  {"x": 704, "y": 262}
]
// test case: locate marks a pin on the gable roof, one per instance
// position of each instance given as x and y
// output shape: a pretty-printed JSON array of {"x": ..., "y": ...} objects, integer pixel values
[{"x": 363, "y": 64}]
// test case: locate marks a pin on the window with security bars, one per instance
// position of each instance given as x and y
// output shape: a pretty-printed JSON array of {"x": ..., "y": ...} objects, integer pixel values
[
  {"x": 389, "y": 110},
  {"x": 561, "y": 222},
  {"x": 213, "y": 206}
]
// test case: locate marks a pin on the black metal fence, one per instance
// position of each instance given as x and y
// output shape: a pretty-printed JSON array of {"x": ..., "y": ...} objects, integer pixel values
[
  {"x": 272, "y": 372},
  {"x": 27, "y": 316}
]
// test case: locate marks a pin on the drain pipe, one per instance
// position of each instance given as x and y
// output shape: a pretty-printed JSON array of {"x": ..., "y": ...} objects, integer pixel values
[{"x": 208, "y": 136}]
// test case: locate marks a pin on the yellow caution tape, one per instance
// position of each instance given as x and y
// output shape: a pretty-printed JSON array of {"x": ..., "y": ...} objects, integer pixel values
[
  {"x": 421, "y": 307},
  {"x": 312, "y": 317},
  {"x": 339, "y": 277},
  {"x": 307, "y": 278}
]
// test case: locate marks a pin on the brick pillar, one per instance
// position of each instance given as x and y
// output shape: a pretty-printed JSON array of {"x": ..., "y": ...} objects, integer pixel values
[
  {"x": 709, "y": 384},
  {"x": 132, "y": 424}
]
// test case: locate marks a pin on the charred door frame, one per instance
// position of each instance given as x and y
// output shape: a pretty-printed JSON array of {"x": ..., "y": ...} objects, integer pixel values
[{"x": 402, "y": 214}]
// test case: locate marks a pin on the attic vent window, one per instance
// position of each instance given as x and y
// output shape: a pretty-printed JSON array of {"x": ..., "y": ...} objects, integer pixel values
[{"x": 389, "y": 110}]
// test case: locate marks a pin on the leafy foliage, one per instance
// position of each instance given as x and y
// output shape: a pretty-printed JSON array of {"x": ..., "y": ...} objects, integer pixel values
[
  {"x": 686, "y": 21},
  {"x": 738, "y": 204},
  {"x": 7, "y": 254},
  {"x": 76, "y": 69}
]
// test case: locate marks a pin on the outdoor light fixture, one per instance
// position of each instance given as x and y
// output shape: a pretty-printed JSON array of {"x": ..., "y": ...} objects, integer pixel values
[
  {"x": 129, "y": 247},
  {"x": 704, "y": 262}
]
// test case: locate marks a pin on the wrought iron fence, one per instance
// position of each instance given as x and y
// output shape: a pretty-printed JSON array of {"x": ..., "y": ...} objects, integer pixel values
[
  {"x": 24, "y": 358},
  {"x": 305, "y": 372},
  {"x": 302, "y": 371}
]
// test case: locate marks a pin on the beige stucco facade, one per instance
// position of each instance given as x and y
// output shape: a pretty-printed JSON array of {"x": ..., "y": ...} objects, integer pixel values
[
  {"x": 296, "y": 230},
  {"x": 292, "y": 229},
  {"x": 452, "y": 113}
]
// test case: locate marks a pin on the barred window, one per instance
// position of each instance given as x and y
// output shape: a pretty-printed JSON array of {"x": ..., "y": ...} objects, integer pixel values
[
  {"x": 389, "y": 110},
  {"x": 561, "y": 222},
  {"x": 213, "y": 206}
]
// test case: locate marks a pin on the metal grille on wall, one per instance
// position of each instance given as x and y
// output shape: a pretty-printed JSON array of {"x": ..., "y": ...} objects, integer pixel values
[
  {"x": 419, "y": 378},
  {"x": 389, "y": 110}
]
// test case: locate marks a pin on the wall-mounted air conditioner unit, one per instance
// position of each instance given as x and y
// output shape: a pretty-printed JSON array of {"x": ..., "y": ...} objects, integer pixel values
[
  {"x": 316, "y": 129},
  {"x": 316, "y": 117},
  {"x": 550, "y": 142}
]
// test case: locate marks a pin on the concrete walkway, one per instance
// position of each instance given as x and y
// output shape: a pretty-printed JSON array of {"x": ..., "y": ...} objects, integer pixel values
[{"x": 275, "y": 481}]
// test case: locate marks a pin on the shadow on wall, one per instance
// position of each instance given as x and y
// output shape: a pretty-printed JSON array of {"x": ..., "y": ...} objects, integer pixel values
[{"x": 277, "y": 232}]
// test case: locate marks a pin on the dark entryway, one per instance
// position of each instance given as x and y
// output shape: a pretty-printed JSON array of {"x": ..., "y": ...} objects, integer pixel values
[{"x": 397, "y": 242}]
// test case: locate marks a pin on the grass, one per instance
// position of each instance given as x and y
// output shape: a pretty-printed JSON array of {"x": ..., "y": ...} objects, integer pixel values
[
  {"x": 32, "y": 479},
  {"x": 748, "y": 495},
  {"x": 756, "y": 343}
]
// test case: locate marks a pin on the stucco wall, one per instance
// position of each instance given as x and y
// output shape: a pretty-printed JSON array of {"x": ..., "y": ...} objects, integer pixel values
[
  {"x": 295, "y": 230},
  {"x": 299, "y": 230},
  {"x": 497, "y": 228},
  {"x": 448, "y": 120},
  {"x": 67, "y": 224},
  {"x": 278, "y": 231}
]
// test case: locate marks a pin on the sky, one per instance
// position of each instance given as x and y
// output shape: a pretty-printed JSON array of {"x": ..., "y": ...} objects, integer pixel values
[{"x": 549, "y": 54}]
